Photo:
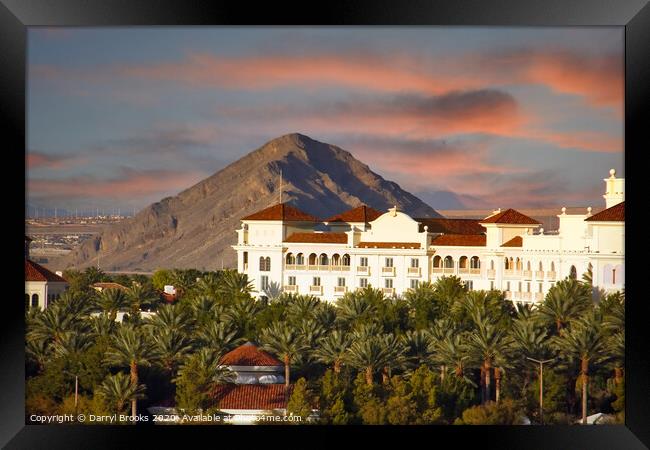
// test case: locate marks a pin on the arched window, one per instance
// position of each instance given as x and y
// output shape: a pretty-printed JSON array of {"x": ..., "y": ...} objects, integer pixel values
[
  {"x": 573, "y": 273},
  {"x": 312, "y": 259},
  {"x": 528, "y": 266},
  {"x": 323, "y": 260},
  {"x": 437, "y": 261},
  {"x": 449, "y": 262},
  {"x": 265, "y": 264},
  {"x": 519, "y": 264},
  {"x": 345, "y": 260},
  {"x": 291, "y": 259},
  {"x": 541, "y": 266},
  {"x": 491, "y": 264},
  {"x": 462, "y": 262},
  {"x": 300, "y": 259},
  {"x": 475, "y": 263},
  {"x": 508, "y": 263},
  {"x": 336, "y": 259},
  {"x": 552, "y": 266},
  {"x": 34, "y": 300}
]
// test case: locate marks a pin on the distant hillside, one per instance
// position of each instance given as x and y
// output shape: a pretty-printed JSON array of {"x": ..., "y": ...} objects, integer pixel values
[{"x": 195, "y": 228}]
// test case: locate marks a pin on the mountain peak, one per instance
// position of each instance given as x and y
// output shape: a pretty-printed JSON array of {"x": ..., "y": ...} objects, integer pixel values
[{"x": 197, "y": 227}]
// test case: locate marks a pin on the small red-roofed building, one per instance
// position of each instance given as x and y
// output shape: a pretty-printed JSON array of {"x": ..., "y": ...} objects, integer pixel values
[{"x": 42, "y": 286}]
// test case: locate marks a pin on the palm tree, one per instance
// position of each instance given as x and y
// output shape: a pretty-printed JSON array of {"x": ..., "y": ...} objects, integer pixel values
[
  {"x": 394, "y": 350},
  {"x": 451, "y": 351},
  {"x": 285, "y": 342},
  {"x": 208, "y": 285},
  {"x": 487, "y": 346},
  {"x": 71, "y": 345},
  {"x": 354, "y": 308},
  {"x": 52, "y": 324},
  {"x": 242, "y": 314},
  {"x": 182, "y": 280},
  {"x": 130, "y": 348},
  {"x": 101, "y": 326},
  {"x": 325, "y": 315},
  {"x": 419, "y": 348},
  {"x": 301, "y": 307},
  {"x": 204, "y": 309},
  {"x": 111, "y": 301},
  {"x": 585, "y": 343},
  {"x": 176, "y": 317},
  {"x": 616, "y": 346},
  {"x": 235, "y": 285},
  {"x": 332, "y": 349},
  {"x": 565, "y": 301},
  {"x": 139, "y": 295},
  {"x": 39, "y": 351},
  {"x": 218, "y": 335},
  {"x": 170, "y": 347},
  {"x": 118, "y": 390},
  {"x": 368, "y": 355}
]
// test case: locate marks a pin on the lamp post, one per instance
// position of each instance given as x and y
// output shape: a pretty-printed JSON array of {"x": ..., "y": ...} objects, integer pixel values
[{"x": 541, "y": 386}]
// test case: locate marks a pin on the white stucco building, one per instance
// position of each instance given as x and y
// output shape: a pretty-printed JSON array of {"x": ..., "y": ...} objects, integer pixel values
[
  {"x": 42, "y": 286},
  {"x": 281, "y": 247}
]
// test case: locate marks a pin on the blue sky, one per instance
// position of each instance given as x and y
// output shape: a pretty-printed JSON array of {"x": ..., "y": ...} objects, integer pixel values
[{"x": 501, "y": 117}]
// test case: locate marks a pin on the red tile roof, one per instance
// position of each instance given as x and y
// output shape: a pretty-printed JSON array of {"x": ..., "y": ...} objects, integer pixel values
[
  {"x": 510, "y": 216},
  {"x": 460, "y": 240},
  {"x": 252, "y": 396},
  {"x": 614, "y": 214},
  {"x": 516, "y": 241},
  {"x": 324, "y": 238},
  {"x": 109, "y": 285},
  {"x": 389, "y": 245},
  {"x": 169, "y": 298},
  {"x": 361, "y": 213},
  {"x": 36, "y": 272},
  {"x": 249, "y": 354},
  {"x": 282, "y": 211},
  {"x": 451, "y": 226}
]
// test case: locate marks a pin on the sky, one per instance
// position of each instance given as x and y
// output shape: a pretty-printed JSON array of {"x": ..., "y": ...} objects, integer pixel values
[{"x": 466, "y": 117}]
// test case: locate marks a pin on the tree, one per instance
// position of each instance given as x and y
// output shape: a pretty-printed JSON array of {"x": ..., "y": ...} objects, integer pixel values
[
  {"x": 170, "y": 347},
  {"x": 235, "y": 285},
  {"x": 584, "y": 343},
  {"x": 175, "y": 317},
  {"x": 356, "y": 308},
  {"x": 218, "y": 335},
  {"x": 565, "y": 301},
  {"x": 139, "y": 295},
  {"x": 130, "y": 348},
  {"x": 285, "y": 342},
  {"x": 111, "y": 301},
  {"x": 301, "y": 401},
  {"x": 368, "y": 355},
  {"x": 419, "y": 348},
  {"x": 161, "y": 278},
  {"x": 452, "y": 352},
  {"x": 506, "y": 412},
  {"x": 423, "y": 305},
  {"x": 332, "y": 349},
  {"x": 53, "y": 324},
  {"x": 488, "y": 345},
  {"x": 118, "y": 390}
]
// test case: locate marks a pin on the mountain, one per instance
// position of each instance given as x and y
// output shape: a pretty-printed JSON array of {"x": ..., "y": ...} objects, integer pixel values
[{"x": 195, "y": 228}]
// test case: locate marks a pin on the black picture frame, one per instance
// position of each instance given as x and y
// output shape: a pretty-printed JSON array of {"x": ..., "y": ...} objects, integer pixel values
[{"x": 634, "y": 15}]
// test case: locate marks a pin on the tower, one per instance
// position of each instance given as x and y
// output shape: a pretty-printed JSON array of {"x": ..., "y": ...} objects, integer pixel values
[{"x": 614, "y": 189}]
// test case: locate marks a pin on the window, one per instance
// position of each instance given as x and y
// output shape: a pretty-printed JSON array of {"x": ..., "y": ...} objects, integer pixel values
[
  {"x": 388, "y": 263},
  {"x": 26, "y": 301},
  {"x": 449, "y": 262},
  {"x": 323, "y": 260},
  {"x": 519, "y": 287},
  {"x": 265, "y": 283},
  {"x": 527, "y": 287},
  {"x": 469, "y": 284},
  {"x": 507, "y": 285},
  {"x": 540, "y": 288},
  {"x": 341, "y": 281},
  {"x": 34, "y": 300},
  {"x": 363, "y": 261},
  {"x": 292, "y": 281},
  {"x": 363, "y": 282},
  {"x": 415, "y": 284},
  {"x": 491, "y": 264},
  {"x": 291, "y": 259},
  {"x": 491, "y": 285},
  {"x": 316, "y": 281},
  {"x": 345, "y": 260},
  {"x": 265, "y": 264},
  {"x": 388, "y": 283},
  {"x": 437, "y": 261},
  {"x": 415, "y": 262},
  {"x": 474, "y": 263},
  {"x": 300, "y": 259},
  {"x": 613, "y": 275}
]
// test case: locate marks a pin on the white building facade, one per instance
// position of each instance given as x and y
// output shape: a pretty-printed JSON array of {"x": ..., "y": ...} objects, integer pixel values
[{"x": 280, "y": 249}]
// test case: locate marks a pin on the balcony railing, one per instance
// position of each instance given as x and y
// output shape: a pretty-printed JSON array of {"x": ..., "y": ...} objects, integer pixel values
[
  {"x": 291, "y": 288},
  {"x": 491, "y": 273},
  {"x": 463, "y": 270},
  {"x": 508, "y": 295},
  {"x": 318, "y": 290},
  {"x": 527, "y": 295},
  {"x": 363, "y": 269},
  {"x": 475, "y": 271},
  {"x": 528, "y": 274},
  {"x": 290, "y": 267},
  {"x": 448, "y": 270},
  {"x": 539, "y": 275},
  {"x": 388, "y": 291},
  {"x": 340, "y": 290},
  {"x": 414, "y": 271},
  {"x": 550, "y": 275},
  {"x": 388, "y": 271},
  {"x": 436, "y": 270},
  {"x": 539, "y": 297},
  {"x": 312, "y": 267}
]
